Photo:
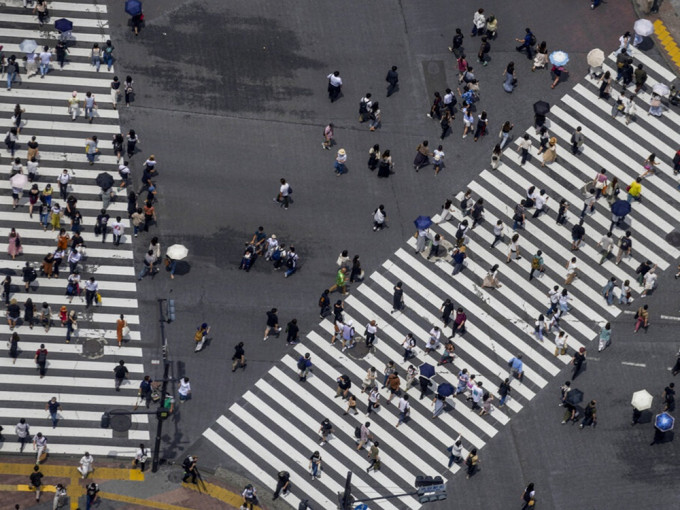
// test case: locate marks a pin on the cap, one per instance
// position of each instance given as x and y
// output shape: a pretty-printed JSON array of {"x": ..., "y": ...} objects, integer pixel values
[{"x": 341, "y": 151}]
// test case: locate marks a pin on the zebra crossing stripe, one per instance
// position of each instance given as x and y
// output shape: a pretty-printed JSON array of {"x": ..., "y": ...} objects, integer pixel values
[{"x": 63, "y": 6}]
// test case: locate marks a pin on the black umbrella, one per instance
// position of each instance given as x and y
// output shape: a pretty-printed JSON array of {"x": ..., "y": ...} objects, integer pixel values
[
  {"x": 574, "y": 397},
  {"x": 621, "y": 208},
  {"x": 104, "y": 181},
  {"x": 541, "y": 108}
]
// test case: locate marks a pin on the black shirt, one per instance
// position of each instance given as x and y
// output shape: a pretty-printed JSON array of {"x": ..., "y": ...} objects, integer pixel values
[
  {"x": 272, "y": 319},
  {"x": 238, "y": 352},
  {"x": 120, "y": 371}
]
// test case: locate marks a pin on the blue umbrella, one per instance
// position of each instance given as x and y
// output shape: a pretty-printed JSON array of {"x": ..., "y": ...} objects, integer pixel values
[
  {"x": 620, "y": 208},
  {"x": 426, "y": 370},
  {"x": 63, "y": 25},
  {"x": 445, "y": 389},
  {"x": 423, "y": 222},
  {"x": 559, "y": 58},
  {"x": 664, "y": 422},
  {"x": 133, "y": 7}
]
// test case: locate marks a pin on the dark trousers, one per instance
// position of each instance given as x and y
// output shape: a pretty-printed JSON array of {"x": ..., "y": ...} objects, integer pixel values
[
  {"x": 370, "y": 338},
  {"x": 63, "y": 191},
  {"x": 525, "y": 155},
  {"x": 89, "y": 297},
  {"x": 280, "y": 484},
  {"x": 497, "y": 239},
  {"x": 41, "y": 367},
  {"x": 577, "y": 369},
  {"x": 527, "y": 47},
  {"x": 391, "y": 89},
  {"x": 187, "y": 474}
]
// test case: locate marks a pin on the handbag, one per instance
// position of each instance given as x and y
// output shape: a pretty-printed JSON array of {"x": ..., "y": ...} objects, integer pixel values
[{"x": 126, "y": 331}]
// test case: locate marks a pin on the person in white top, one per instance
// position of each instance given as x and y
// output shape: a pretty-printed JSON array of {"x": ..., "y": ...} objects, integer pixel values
[
  {"x": 184, "y": 390},
  {"x": 433, "y": 341},
  {"x": 284, "y": 193},
  {"x": 117, "y": 229},
  {"x": 45, "y": 57},
  {"x": 22, "y": 430},
  {"x": 572, "y": 269},
  {"x": 649, "y": 281},
  {"x": 91, "y": 287},
  {"x": 86, "y": 462},
  {"x": 31, "y": 65},
  {"x": 379, "y": 217},
  {"x": 39, "y": 445},
  {"x": 32, "y": 168},
  {"x": 334, "y": 85},
  {"x": 541, "y": 203},
  {"x": 73, "y": 104},
  {"x": 272, "y": 244},
  {"x": 63, "y": 180}
]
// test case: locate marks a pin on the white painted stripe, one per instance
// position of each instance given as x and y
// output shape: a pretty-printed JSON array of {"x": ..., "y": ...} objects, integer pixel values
[
  {"x": 78, "y": 23},
  {"x": 83, "y": 205},
  {"x": 612, "y": 169},
  {"x": 69, "y": 398},
  {"x": 60, "y": 283},
  {"x": 576, "y": 201},
  {"x": 69, "y": 432},
  {"x": 77, "y": 157},
  {"x": 29, "y": 348},
  {"x": 599, "y": 274},
  {"x": 91, "y": 269},
  {"x": 35, "y": 249},
  {"x": 571, "y": 324},
  {"x": 376, "y": 418},
  {"x": 68, "y": 415},
  {"x": 527, "y": 249},
  {"x": 275, "y": 463},
  {"x": 101, "y": 86},
  {"x": 649, "y": 63},
  {"x": 98, "y": 318},
  {"x": 446, "y": 418},
  {"x": 339, "y": 424},
  {"x": 45, "y": 140},
  {"x": 291, "y": 449},
  {"x": 670, "y": 317},
  {"x": 28, "y": 124},
  {"x": 23, "y": 217},
  {"x": 48, "y": 235},
  {"x": 12, "y": 48},
  {"x": 479, "y": 337},
  {"x": 79, "y": 189},
  {"x": 17, "y": 33},
  {"x": 73, "y": 365},
  {"x": 63, "y": 6},
  {"x": 53, "y": 380},
  {"x": 61, "y": 111},
  {"x": 62, "y": 300},
  {"x": 628, "y": 363},
  {"x": 77, "y": 449},
  {"x": 621, "y": 135},
  {"x": 61, "y": 96},
  {"x": 246, "y": 462}
]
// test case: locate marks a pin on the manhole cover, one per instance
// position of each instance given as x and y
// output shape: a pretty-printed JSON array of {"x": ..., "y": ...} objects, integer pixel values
[
  {"x": 121, "y": 422},
  {"x": 93, "y": 347},
  {"x": 445, "y": 252},
  {"x": 673, "y": 238},
  {"x": 360, "y": 350}
]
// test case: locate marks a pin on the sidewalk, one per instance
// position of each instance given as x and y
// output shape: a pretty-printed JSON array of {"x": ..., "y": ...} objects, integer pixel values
[
  {"x": 121, "y": 487},
  {"x": 666, "y": 28}
]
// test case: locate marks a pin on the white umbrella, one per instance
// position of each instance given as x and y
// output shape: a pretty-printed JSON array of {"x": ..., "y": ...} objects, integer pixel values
[
  {"x": 643, "y": 27},
  {"x": 642, "y": 400},
  {"x": 661, "y": 89},
  {"x": 28, "y": 45},
  {"x": 595, "y": 57},
  {"x": 18, "y": 181},
  {"x": 177, "y": 252}
]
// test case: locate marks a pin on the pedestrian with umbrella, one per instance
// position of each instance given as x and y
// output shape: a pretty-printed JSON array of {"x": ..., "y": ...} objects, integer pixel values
[
  {"x": 662, "y": 423},
  {"x": 172, "y": 255},
  {"x": 558, "y": 59},
  {"x": 595, "y": 59},
  {"x": 422, "y": 224},
  {"x": 64, "y": 27},
  {"x": 619, "y": 210},
  {"x": 573, "y": 397},
  {"x": 642, "y": 400},
  {"x": 426, "y": 372},
  {"x": 134, "y": 9}
]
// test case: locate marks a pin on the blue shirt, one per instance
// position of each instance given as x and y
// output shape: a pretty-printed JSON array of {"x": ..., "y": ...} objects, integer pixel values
[
  {"x": 517, "y": 364},
  {"x": 527, "y": 39}
]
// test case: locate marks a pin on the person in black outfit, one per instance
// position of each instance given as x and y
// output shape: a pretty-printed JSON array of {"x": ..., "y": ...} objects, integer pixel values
[
  {"x": 283, "y": 484},
  {"x": 425, "y": 383},
  {"x": 324, "y": 304},
  {"x": 578, "y": 360},
  {"x": 397, "y": 298},
  {"x": 446, "y": 309},
  {"x": 239, "y": 357},
  {"x": 338, "y": 308},
  {"x": 190, "y": 469},
  {"x": 293, "y": 332},
  {"x": 393, "y": 79}
]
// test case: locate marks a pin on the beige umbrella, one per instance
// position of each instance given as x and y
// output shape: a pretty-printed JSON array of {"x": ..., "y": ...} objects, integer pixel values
[
  {"x": 642, "y": 400},
  {"x": 177, "y": 252},
  {"x": 595, "y": 57}
]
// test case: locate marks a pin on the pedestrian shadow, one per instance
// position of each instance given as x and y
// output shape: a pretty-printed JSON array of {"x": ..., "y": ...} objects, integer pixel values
[{"x": 182, "y": 268}]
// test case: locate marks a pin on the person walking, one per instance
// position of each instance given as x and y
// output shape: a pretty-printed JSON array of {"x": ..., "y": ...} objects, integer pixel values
[
  {"x": 340, "y": 161},
  {"x": 239, "y": 357},
  {"x": 282, "y": 484},
  {"x": 528, "y": 42},
  {"x": 423, "y": 155},
  {"x": 334, "y": 85},
  {"x": 536, "y": 265},
  {"x": 40, "y": 447},
  {"x": 120, "y": 372},
  {"x": 455, "y": 452},
  {"x": 22, "y": 430},
  {"x": 509, "y": 78},
  {"x": 272, "y": 324},
  {"x": 605, "y": 337},
  {"x": 41, "y": 359},
  {"x": 572, "y": 271},
  {"x": 641, "y": 318},
  {"x": 483, "y": 52},
  {"x": 393, "y": 79},
  {"x": 471, "y": 462},
  {"x": 625, "y": 247},
  {"x": 283, "y": 198},
  {"x": 249, "y": 497},
  {"x": 589, "y": 415},
  {"x": 85, "y": 467},
  {"x": 315, "y": 466},
  {"x": 404, "y": 407},
  {"x": 141, "y": 456},
  {"x": 36, "y": 481},
  {"x": 128, "y": 90},
  {"x": 149, "y": 265},
  {"x": 529, "y": 497},
  {"x": 190, "y": 468},
  {"x": 397, "y": 298},
  {"x": 608, "y": 291},
  {"x": 550, "y": 154},
  {"x": 91, "y": 495},
  {"x": 578, "y": 360},
  {"x": 577, "y": 140},
  {"x": 53, "y": 408}
]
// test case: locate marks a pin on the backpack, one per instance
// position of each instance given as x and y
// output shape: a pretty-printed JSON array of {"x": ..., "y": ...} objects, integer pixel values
[
  {"x": 363, "y": 107},
  {"x": 535, "y": 263},
  {"x": 357, "y": 432},
  {"x": 460, "y": 233},
  {"x": 302, "y": 364},
  {"x": 188, "y": 462},
  {"x": 42, "y": 356},
  {"x": 533, "y": 40}
]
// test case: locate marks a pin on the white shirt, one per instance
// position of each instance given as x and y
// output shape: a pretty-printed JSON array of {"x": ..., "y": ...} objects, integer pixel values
[
  {"x": 124, "y": 169},
  {"x": 336, "y": 81},
  {"x": 525, "y": 144},
  {"x": 21, "y": 430},
  {"x": 91, "y": 286},
  {"x": 479, "y": 20},
  {"x": 184, "y": 388},
  {"x": 409, "y": 343},
  {"x": 606, "y": 243},
  {"x": 141, "y": 453},
  {"x": 403, "y": 404},
  {"x": 64, "y": 178},
  {"x": 571, "y": 268},
  {"x": 45, "y": 57},
  {"x": 117, "y": 228},
  {"x": 448, "y": 98},
  {"x": 86, "y": 461},
  {"x": 439, "y": 153},
  {"x": 435, "y": 334},
  {"x": 371, "y": 329},
  {"x": 32, "y": 167},
  {"x": 284, "y": 190},
  {"x": 498, "y": 229},
  {"x": 560, "y": 341},
  {"x": 541, "y": 201},
  {"x": 74, "y": 257},
  {"x": 272, "y": 244},
  {"x": 379, "y": 217},
  {"x": 554, "y": 296}
]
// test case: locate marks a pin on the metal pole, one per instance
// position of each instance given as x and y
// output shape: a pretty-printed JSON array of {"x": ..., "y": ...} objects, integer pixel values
[{"x": 166, "y": 370}]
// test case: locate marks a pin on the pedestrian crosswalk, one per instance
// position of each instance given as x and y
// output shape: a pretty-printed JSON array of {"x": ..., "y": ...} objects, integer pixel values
[
  {"x": 79, "y": 373},
  {"x": 274, "y": 426}
]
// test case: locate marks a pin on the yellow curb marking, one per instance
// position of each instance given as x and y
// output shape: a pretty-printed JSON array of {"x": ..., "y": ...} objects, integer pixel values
[
  {"x": 140, "y": 502},
  {"x": 667, "y": 41},
  {"x": 218, "y": 493}
]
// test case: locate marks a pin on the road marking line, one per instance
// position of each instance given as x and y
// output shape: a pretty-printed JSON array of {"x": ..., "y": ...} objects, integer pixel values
[
  {"x": 630, "y": 364},
  {"x": 670, "y": 317}
]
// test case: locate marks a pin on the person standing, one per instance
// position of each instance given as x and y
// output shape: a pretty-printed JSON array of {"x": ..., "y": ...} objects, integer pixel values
[
  {"x": 577, "y": 139},
  {"x": 327, "y": 137},
  {"x": 668, "y": 398},
  {"x": 397, "y": 298},
  {"x": 504, "y": 390},
  {"x": 141, "y": 456},
  {"x": 85, "y": 467},
  {"x": 272, "y": 324},
  {"x": 91, "y": 494},
  {"x": 589, "y": 415},
  {"x": 145, "y": 390},
  {"x": 36, "y": 481},
  {"x": 334, "y": 85},
  {"x": 117, "y": 229},
  {"x": 340, "y": 161},
  {"x": 41, "y": 359},
  {"x": 577, "y": 360},
  {"x": 190, "y": 469},
  {"x": 283, "y": 197},
  {"x": 292, "y": 332},
  {"x": 484, "y": 50},
  {"x": 393, "y": 79},
  {"x": 120, "y": 373},
  {"x": 22, "y": 430}
]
